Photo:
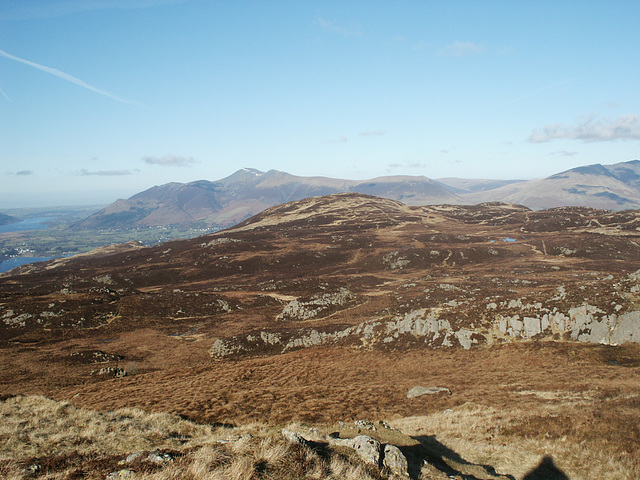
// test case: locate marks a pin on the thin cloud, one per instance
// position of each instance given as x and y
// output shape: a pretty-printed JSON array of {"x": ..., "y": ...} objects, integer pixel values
[
  {"x": 23, "y": 172},
  {"x": 460, "y": 49},
  {"x": 370, "y": 133},
  {"x": 564, "y": 153},
  {"x": 625, "y": 127},
  {"x": 332, "y": 27},
  {"x": 393, "y": 166},
  {"x": 106, "y": 173},
  {"x": 64, "y": 76},
  {"x": 170, "y": 161}
]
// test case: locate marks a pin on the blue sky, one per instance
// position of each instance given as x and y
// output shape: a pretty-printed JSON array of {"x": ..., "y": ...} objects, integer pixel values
[{"x": 101, "y": 99}]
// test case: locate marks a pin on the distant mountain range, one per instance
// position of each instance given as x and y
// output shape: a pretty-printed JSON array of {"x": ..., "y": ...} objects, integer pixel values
[
  {"x": 248, "y": 191},
  {"x": 610, "y": 187}
]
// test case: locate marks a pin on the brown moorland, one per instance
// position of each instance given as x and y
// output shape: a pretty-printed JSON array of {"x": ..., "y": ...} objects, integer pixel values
[{"x": 332, "y": 308}]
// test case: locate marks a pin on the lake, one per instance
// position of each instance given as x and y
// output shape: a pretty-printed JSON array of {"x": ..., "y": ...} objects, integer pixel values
[
  {"x": 39, "y": 223},
  {"x": 16, "y": 262}
]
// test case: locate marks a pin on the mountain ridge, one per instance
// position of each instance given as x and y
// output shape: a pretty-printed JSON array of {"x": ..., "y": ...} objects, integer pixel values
[
  {"x": 248, "y": 191},
  {"x": 611, "y": 187}
]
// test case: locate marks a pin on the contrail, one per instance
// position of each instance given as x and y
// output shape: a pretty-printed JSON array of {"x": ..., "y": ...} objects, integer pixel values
[
  {"x": 64, "y": 76},
  {"x": 4, "y": 95}
]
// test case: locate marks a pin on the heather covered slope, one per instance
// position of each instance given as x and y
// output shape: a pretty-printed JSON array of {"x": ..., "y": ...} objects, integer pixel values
[{"x": 333, "y": 308}]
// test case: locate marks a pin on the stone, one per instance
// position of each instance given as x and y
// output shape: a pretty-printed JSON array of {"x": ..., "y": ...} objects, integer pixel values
[
  {"x": 418, "y": 390},
  {"x": 368, "y": 449},
  {"x": 532, "y": 326},
  {"x": 334, "y": 439},
  {"x": 124, "y": 473},
  {"x": 293, "y": 437},
  {"x": 395, "y": 461},
  {"x": 159, "y": 458},
  {"x": 365, "y": 425}
]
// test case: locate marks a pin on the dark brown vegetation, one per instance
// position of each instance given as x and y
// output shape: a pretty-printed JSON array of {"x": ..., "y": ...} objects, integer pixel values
[{"x": 72, "y": 332}]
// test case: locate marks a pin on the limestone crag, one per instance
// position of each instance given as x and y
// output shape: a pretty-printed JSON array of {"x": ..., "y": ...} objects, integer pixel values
[
  {"x": 317, "y": 306},
  {"x": 585, "y": 323}
]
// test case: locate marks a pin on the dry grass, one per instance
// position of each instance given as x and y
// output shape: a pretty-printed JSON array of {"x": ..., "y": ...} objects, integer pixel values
[
  {"x": 50, "y": 440},
  {"x": 514, "y": 442},
  {"x": 53, "y": 440}
]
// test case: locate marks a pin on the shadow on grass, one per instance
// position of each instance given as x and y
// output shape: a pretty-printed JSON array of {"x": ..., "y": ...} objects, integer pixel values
[
  {"x": 546, "y": 470},
  {"x": 450, "y": 462}
]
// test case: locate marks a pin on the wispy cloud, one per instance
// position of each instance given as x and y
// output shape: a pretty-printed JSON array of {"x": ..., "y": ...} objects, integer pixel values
[
  {"x": 370, "y": 133},
  {"x": 564, "y": 153},
  {"x": 413, "y": 165},
  {"x": 625, "y": 127},
  {"x": 170, "y": 161},
  {"x": 460, "y": 49},
  {"x": 332, "y": 27},
  {"x": 107, "y": 173},
  {"x": 64, "y": 76},
  {"x": 339, "y": 139},
  {"x": 22, "y": 173}
]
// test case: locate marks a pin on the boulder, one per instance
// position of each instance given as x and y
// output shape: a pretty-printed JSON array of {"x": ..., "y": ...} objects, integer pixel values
[
  {"x": 293, "y": 437},
  {"x": 368, "y": 449},
  {"x": 418, "y": 390},
  {"x": 395, "y": 461}
]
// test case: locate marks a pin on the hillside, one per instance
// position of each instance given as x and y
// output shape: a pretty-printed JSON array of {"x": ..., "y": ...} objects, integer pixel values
[
  {"x": 7, "y": 219},
  {"x": 248, "y": 191},
  {"x": 612, "y": 187},
  {"x": 523, "y": 327}
]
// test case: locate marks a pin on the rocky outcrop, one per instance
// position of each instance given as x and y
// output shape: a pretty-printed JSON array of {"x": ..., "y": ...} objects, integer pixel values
[
  {"x": 585, "y": 323},
  {"x": 317, "y": 306}
]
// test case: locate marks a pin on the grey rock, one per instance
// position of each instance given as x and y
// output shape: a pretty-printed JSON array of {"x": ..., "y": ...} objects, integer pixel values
[
  {"x": 368, "y": 449},
  {"x": 159, "y": 458},
  {"x": 628, "y": 329},
  {"x": 365, "y": 425},
  {"x": 293, "y": 437},
  {"x": 395, "y": 461},
  {"x": 132, "y": 456},
  {"x": 418, "y": 390},
  {"x": 334, "y": 439},
  {"x": 316, "y": 305},
  {"x": 124, "y": 473}
]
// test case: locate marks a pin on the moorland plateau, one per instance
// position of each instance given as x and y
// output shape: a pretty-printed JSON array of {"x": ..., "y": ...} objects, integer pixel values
[{"x": 323, "y": 312}]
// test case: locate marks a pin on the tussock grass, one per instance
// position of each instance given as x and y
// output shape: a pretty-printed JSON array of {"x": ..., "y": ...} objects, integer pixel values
[
  {"x": 62, "y": 442},
  {"x": 65, "y": 442}
]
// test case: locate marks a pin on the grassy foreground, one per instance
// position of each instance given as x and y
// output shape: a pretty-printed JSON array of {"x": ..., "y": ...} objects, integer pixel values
[{"x": 46, "y": 439}]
